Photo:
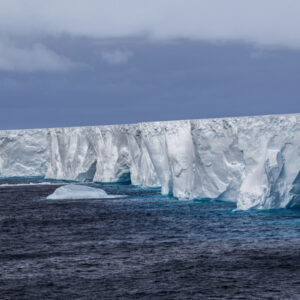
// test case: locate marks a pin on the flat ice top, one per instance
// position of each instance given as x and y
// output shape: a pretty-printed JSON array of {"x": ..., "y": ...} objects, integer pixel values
[
  {"x": 150, "y": 123},
  {"x": 77, "y": 191}
]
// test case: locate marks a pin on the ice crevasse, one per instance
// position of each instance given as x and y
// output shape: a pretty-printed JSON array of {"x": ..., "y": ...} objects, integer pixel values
[{"x": 254, "y": 161}]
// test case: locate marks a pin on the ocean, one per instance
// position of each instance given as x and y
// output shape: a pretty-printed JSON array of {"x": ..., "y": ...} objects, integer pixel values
[{"x": 142, "y": 246}]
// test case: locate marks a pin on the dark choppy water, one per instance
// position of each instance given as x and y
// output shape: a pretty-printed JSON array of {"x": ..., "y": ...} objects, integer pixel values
[{"x": 143, "y": 247}]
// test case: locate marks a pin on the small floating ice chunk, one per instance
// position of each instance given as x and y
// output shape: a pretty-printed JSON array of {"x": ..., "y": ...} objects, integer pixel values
[
  {"x": 76, "y": 191},
  {"x": 4, "y": 185}
]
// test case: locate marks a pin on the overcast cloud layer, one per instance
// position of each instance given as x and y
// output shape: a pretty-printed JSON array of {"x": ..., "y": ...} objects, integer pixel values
[
  {"x": 89, "y": 62},
  {"x": 268, "y": 23}
]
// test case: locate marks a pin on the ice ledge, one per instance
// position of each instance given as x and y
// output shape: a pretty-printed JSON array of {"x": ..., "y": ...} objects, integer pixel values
[{"x": 254, "y": 161}]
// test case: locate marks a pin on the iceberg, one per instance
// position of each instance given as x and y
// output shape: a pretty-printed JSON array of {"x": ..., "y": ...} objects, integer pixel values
[
  {"x": 253, "y": 161},
  {"x": 76, "y": 191}
]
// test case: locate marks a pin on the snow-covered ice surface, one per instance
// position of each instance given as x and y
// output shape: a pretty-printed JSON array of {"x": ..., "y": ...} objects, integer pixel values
[
  {"x": 77, "y": 191},
  {"x": 253, "y": 161}
]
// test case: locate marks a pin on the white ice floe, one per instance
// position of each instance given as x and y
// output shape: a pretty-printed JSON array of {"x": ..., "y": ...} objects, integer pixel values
[
  {"x": 77, "y": 191},
  {"x": 253, "y": 161},
  {"x": 4, "y": 185}
]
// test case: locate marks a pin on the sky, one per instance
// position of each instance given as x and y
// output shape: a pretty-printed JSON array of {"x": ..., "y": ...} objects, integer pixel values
[{"x": 94, "y": 62}]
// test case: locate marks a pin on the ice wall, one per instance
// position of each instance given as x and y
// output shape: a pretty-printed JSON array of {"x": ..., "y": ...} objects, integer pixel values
[
  {"x": 254, "y": 161},
  {"x": 23, "y": 153}
]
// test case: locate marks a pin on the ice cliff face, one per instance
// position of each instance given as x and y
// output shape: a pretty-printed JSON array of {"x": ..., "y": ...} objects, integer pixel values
[
  {"x": 23, "y": 153},
  {"x": 254, "y": 161}
]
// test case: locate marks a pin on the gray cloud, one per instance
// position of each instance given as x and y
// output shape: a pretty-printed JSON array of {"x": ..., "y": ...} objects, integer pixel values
[
  {"x": 265, "y": 22},
  {"x": 116, "y": 56},
  {"x": 163, "y": 81},
  {"x": 32, "y": 59}
]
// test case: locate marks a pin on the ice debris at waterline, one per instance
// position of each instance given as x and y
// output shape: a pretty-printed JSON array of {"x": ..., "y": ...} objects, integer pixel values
[
  {"x": 77, "y": 191},
  {"x": 5, "y": 185},
  {"x": 254, "y": 161}
]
